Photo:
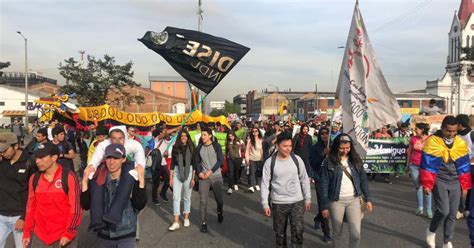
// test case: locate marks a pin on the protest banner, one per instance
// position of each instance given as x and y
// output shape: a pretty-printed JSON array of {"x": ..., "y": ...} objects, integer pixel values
[{"x": 386, "y": 155}]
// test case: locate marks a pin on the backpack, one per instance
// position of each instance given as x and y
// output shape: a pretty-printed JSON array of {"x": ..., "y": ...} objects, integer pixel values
[
  {"x": 64, "y": 178},
  {"x": 272, "y": 167},
  {"x": 472, "y": 136}
]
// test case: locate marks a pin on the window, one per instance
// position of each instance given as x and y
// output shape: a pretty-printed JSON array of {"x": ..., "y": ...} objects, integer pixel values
[
  {"x": 405, "y": 103},
  {"x": 330, "y": 102},
  {"x": 29, "y": 104},
  {"x": 2, "y": 103}
]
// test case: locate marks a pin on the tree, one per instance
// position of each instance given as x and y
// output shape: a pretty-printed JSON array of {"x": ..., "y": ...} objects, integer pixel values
[
  {"x": 2, "y": 66},
  {"x": 231, "y": 108},
  {"x": 100, "y": 82},
  {"x": 218, "y": 112}
]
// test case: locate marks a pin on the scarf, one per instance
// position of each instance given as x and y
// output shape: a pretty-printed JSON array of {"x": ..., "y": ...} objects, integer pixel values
[{"x": 184, "y": 164}]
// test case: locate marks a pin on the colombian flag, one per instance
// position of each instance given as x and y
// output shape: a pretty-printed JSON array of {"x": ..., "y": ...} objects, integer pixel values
[{"x": 436, "y": 154}]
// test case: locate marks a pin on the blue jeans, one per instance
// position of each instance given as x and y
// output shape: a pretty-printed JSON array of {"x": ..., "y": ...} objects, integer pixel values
[
  {"x": 415, "y": 175},
  {"x": 184, "y": 187},
  {"x": 7, "y": 225}
]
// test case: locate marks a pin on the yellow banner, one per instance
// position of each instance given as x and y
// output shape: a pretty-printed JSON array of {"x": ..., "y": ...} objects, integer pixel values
[
  {"x": 412, "y": 111},
  {"x": 106, "y": 112}
]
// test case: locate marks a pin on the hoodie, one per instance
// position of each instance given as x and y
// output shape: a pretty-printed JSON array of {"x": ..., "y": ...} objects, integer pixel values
[
  {"x": 316, "y": 156},
  {"x": 133, "y": 149}
]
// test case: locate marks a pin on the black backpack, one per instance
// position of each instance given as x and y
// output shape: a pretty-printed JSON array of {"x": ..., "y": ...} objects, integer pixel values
[{"x": 64, "y": 178}]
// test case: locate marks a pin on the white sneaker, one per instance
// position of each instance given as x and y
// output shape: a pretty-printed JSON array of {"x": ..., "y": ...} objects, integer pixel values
[
  {"x": 448, "y": 245},
  {"x": 430, "y": 238},
  {"x": 134, "y": 174},
  {"x": 174, "y": 226},
  {"x": 257, "y": 187},
  {"x": 459, "y": 215},
  {"x": 252, "y": 190},
  {"x": 229, "y": 191},
  {"x": 236, "y": 188},
  {"x": 186, "y": 222}
]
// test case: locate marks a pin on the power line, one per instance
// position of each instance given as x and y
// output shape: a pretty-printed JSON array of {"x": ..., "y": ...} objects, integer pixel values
[{"x": 404, "y": 15}]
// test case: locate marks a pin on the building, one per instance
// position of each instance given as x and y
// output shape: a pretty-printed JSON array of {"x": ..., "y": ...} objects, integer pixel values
[
  {"x": 17, "y": 79},
  {"x": 174, "y": 86},
  {"x": 216, "y": 105},
  {"x": 458, "y": 79},
  {"x": 304, "y": 105},
  {"x": 12, "y": 103},
  {"x": 241, "y": 101},
  {"x": 153, "y": 101}
]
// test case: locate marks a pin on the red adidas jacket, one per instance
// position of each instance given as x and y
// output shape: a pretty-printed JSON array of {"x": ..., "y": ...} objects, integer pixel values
[{"x": 50, "y": 213}]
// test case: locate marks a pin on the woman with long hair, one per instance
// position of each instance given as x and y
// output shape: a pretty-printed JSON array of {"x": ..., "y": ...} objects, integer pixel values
[
  {"x": 182, "y": 177},
  {"x": 302, "y": 143},
  {"x": 414, "y": 151},
  {"x": 234, "y": 148},
  {"x": 343, "y": 186},
  {"x": 254, "y": 158}
]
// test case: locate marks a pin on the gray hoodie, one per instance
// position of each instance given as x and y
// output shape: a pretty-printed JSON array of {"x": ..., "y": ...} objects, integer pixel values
[{"x": 286, "y": 183}]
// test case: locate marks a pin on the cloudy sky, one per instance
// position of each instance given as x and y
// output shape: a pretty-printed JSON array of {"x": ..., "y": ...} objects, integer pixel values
[{"x": 293, "y": 43}]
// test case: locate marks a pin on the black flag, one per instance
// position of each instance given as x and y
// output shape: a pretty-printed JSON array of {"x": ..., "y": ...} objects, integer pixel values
[{"x": 200, "y": 58}]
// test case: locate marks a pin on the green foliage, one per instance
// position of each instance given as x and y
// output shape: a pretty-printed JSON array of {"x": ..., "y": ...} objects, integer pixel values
[
  {"x": 2, "y": 66},
  {"x": 218, "y": 112},
  {"x": 96, "y": 82},
  {"x": 231, "y": 108}
]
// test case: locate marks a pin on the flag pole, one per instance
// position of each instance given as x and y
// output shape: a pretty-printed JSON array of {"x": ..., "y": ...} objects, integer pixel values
[{"x": 186, "y": 120}]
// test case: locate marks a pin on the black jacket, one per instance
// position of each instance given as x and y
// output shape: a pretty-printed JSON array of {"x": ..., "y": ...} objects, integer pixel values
[
  {"x": 302, "y": 151},
  {"x": 14, "y": 185}
]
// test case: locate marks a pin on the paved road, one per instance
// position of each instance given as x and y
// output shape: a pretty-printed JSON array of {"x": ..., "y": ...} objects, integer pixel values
[{"x": 393, "y": 223}]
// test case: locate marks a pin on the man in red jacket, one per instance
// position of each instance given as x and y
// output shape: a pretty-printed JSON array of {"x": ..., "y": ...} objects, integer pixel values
[{"x": 53, "y": 211}]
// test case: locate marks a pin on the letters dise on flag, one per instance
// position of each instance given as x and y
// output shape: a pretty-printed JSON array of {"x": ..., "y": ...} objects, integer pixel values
[
  {"x": 367, "y": 102},
  {"x": 202, "y": 59}
]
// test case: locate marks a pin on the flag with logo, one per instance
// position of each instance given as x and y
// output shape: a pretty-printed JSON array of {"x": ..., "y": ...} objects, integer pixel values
[
  {"x": 202, "y": 59},
  {"x": 367, "y": 102}
]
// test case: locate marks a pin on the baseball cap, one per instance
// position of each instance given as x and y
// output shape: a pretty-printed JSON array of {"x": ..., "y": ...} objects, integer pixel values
[
  {"x": 115, "y": 151},
  {"x": 6, "y": 140},
  {"x": 46, "y": 149}
]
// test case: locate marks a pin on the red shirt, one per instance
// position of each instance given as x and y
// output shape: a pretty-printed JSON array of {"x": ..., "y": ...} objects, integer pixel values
[
  {"x": 50, "y": 213},
  {"x": 417, "y": 147}
]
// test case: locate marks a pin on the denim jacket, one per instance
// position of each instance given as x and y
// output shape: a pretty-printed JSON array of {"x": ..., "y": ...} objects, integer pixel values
[{"x": 331, "y": 178}]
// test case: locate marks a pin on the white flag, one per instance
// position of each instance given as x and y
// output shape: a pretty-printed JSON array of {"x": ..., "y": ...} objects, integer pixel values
[{"x": 367, "y": 102}]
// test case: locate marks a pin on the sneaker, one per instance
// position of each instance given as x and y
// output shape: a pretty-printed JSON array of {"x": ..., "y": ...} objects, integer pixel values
[
  {"x": 430, "y": 238},
  {"x": 466, "y": 213},
  {"x": 448, "y": 245},
  {"x": 388, "y": 181},
  {"x": 174, "y": 226},
  {"x": 156, "y": 202},
  {"x": 186, "y": 223},
  {"x": 459, "y": 215},
  {"x": 236, "y": 188},
  {"x": 429, "y": 215},
  {"x": 257, "y": 188},
  {"x": 419, "y": 211},
  {"x": 252, "y": 190},
  {"x": 229, "y": 191},
  {"x": 220, "y": 218},
  {"x": 327, "y": 239},
  {"x": 204, "y": 228},
  {"x": 165, "y": 199}
]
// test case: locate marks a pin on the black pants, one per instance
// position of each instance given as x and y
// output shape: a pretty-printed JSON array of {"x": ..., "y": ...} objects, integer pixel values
[
  {"x": 160, "y": 171},
  {"x": 233, "y": 166},
  {"x": 295, "y": 213},
  {"x": 324, "y": 221}
]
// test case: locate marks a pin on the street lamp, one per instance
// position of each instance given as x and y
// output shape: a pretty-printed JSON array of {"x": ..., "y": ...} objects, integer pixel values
[{"x": 26, "y": 80}]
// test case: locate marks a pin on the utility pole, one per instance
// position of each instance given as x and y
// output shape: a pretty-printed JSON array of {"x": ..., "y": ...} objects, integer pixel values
[
  {"x": 200, "y": 18},
  {"x": 26, "y": 80}
]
